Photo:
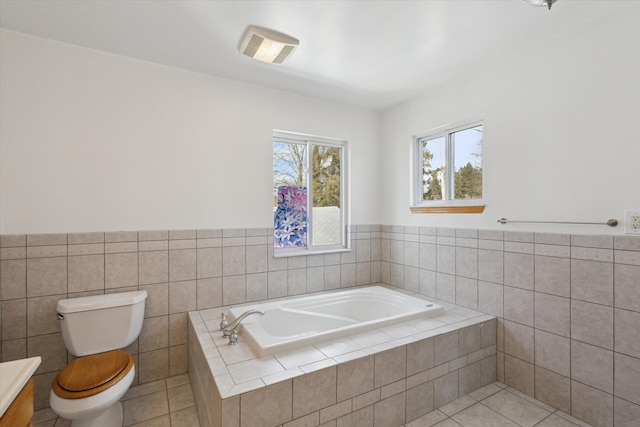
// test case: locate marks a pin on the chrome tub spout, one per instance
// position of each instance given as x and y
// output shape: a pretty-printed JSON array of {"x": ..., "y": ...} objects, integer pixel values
[{"x": 230, "y": 328}]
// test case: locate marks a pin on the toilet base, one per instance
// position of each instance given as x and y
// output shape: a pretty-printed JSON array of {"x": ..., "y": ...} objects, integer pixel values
[{"x": 112, "y": 417}]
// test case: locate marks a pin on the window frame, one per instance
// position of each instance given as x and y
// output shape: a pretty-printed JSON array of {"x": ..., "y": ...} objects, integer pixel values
[
  {"x": 311, "y": 140},
  {"x": 448, "y": 204}
]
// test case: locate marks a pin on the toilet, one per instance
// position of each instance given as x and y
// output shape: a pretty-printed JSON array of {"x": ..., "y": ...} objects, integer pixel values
[{"x": 95, "y": 329}]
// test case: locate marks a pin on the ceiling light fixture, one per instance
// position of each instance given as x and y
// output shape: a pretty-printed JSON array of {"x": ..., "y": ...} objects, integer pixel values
[
  {"x": 547, "y": 3},
  {"x": 266, "y": 45}
]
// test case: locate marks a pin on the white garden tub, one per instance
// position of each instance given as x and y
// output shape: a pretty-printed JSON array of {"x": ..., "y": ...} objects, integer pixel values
[{"x": 296, "y": 322}]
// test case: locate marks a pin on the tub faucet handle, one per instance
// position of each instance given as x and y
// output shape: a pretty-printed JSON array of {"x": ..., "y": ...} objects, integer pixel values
[
  {"x": 233, "y": 338},
  {"x": 224, "y": 322}
]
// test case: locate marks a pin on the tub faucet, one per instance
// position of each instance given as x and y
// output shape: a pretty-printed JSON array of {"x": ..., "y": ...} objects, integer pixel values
[{"x": 229, "y": 329}]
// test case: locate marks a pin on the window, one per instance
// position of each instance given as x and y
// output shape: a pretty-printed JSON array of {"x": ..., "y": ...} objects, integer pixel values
[
  {"x": 447, "y": 175},
  {"x": 309, "y": 194}
]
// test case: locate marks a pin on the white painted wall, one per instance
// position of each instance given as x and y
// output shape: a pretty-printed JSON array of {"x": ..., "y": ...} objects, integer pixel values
[
  {"x": 91, "y": 141},
  {"x": 561, "y": 135}
]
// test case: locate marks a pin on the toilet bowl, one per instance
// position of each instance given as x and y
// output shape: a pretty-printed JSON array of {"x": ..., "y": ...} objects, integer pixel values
[{"x": 88, "y": 390}]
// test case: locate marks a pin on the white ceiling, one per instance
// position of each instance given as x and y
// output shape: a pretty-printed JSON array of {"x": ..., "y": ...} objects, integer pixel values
[{"x": 372, "y": 54}]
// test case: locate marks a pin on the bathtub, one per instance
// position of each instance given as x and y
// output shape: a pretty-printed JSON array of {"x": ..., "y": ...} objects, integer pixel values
[{"x": 293, "y": 323}]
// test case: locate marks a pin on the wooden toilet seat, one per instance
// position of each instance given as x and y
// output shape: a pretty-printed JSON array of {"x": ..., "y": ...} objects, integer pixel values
[{"x": 90, "y": 375}]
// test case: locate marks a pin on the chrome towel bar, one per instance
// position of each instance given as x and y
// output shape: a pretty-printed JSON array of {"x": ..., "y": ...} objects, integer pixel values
[{"x": 610, "y": 223}]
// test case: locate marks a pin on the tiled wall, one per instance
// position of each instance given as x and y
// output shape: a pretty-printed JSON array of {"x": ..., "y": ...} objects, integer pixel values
[
  {"x": 182, "y": 270},
  {"x": 568, "y": 307}
]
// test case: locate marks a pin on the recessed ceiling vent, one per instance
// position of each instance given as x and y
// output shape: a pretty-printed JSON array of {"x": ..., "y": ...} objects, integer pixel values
[{"x": 266, "y": 45}]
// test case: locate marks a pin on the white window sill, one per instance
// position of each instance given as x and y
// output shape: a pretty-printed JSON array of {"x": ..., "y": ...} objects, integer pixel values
[{"x": 279, "y": 253}]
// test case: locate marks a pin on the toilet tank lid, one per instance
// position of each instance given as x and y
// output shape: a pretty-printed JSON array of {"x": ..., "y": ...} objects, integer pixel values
[{"x": 97, "y": 302}]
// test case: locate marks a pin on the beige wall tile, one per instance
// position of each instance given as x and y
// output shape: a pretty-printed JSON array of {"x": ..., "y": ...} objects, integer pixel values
[
  {"x": 446, "y": 347},
  {"x": 518, "y": 305},
  {"x": 46, "y": 239},
  {"x": 233, "y": 261},
  {"x": 420, "y": 356},
  {"x": 466, "y": 262},
  {"x": 468, "y": 340},
  {"x": 209, "y": 293},
  {"x": 390, "y": 411},
  {"x": 86, "y": 273},
  {"x": 592, "y": 365},
  {"x": 157, "y": 302},
  {"x": 277, "y": 283},
  {"x": 46, "y": 276},
  {"x": 42, "y": 389},
  {"x": 256, "y": 259},
  {"x": 13, "y": 279},
  {"x": 592, "y": 323},
  {"x": 257, "y": 286},
  {"x": 519, "y": 375},
  {"x": 445, "y": 389},
  {"x": 552, "y": 314},
  {"x": 314, "y": 391},
  {"x": 591, "y": 405},
  {"x": 14, "y": 349},
  {"x": 518, "y": 341},
  {"x": 466, "y": 292},
  {"x": 627, "y": 378},
  {"x": 419, "y": 401},
  {"x": 518, "y": 270},
  {"x": 42, "y": 315},
  {"x": 491, "y": 298},
  {"x": 626, "y": 414},
  {"x": 234, "y": 290},
  {"x": 51, "y": 349},
  {"x": 592, "y": 281},
  {"x": 13, "y": 240},
  {"x": 271, "y": 405},
  {"x": 360, "y": 418},
  {"x": 154, "y": 334},
  {"x": 390, "y": 366},
  {"x": 627, "y": 332},
  {"x": 120, "y": 236},
  {"x": 552, "y": 275},
  {"x": 553, "y": 352},
  {"x": 209, "y": 262},
  {"x": 355, "y": 377},
  {"x": 178, "y": 329},
  {"x": 14, "y": 319},
  {"x": 178, "y": 360},
  {"x": 121, "y": 270},
  {"x": 553, "y": 389},
  {"x": 627, "y": 291},
  {"x": 332, "y": 412},
  {"x": 469, "y": 378},
  {"x": 182, "y": 265},
  {"x": 489, "y": 367},
  {"x": 491, "y": 266},
  {"x": 153, "y": 267},
  {"x": 182, "y": 296}
]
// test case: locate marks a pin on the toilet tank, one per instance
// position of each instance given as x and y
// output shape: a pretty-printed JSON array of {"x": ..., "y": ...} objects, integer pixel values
[{"x": 101, "y": 323}]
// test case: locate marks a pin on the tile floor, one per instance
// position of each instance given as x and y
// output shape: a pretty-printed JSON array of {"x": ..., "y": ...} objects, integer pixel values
[
  {"x": 163, "y": 403},
  {"x": 496, "y": 405},
  {"x": 169, "y": 403}
]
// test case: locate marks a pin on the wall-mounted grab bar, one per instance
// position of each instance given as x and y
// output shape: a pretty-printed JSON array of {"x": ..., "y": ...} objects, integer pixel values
[{"x": 610, "y": 223}]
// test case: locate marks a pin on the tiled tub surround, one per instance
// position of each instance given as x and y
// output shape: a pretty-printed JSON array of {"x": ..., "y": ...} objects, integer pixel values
[
  {"x": 383, "y": 377},
  {"x": 568, "y": 308},
  {"x": 182, "y": 270}
]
